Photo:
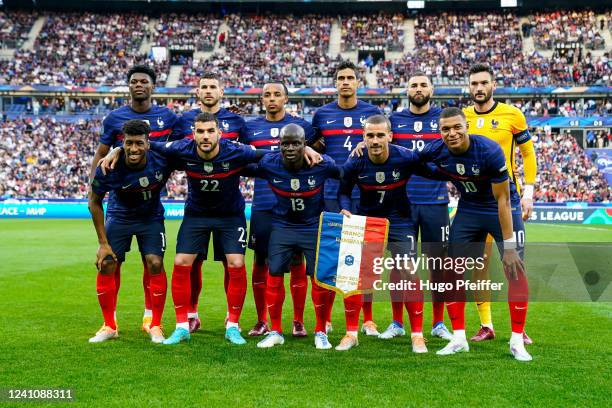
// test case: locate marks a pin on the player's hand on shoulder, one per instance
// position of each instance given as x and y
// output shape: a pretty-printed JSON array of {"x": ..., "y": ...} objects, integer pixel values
[
  {"x": 346, "y": 213},
  {"x": 108, "y": 162},
  {"x": 236, "y": 109},
  {"x": 312, "y": 157},
  {"x": 105, "y": 252},
  {"x": 358, "y": 150}
]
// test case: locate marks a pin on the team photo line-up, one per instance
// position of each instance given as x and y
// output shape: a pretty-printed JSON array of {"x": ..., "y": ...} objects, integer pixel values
[{"x": 351, "y": 159}]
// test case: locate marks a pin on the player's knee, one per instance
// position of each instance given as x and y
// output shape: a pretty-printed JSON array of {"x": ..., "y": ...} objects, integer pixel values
[
  {"x": 108, "y": 267},
  {"x": 235, "y": 262},
  {"x": 184, "y": 259},
  {"x": 155, "y": 265}
]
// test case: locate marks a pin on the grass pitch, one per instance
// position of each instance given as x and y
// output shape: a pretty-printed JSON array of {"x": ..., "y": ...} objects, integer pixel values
[{"x": 48, "y": 310}]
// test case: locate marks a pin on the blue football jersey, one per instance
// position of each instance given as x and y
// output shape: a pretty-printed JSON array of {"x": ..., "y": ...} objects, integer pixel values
[
  {"x": 341, "y": 130},
  {"x": 382, "y": 186},
  {"x": 231, "y": 124},
  {"x": 264, "y": 134},
  {"x": 165, "y": 125},
  {"x": 414, "y": 131},
  {"x": 135, "y": 193},
  {"x": 299, "y": 194},
  {"x": 473, "y": 172},
  {"x": 213, "y": 185}
]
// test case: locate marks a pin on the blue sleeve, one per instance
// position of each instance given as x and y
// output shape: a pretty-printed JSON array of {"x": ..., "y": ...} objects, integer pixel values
[
  {"x": 428, "y": 153},
  {"x": 180, "y": 129},
  {"x": 101, "y": 184},
  {"x": 167, "y": 149},
  {"x": 107, "y": 137},
  {"x": 252, "y": 170},
  {"x": 347, "y": 182},
  {"x": 315, "y": 128},
  {"x": 496, "y": 165},
  {"x": 309, "y": 132},
  {"x": 243, "y": 136},
  {"x": 251, "y": 155}
]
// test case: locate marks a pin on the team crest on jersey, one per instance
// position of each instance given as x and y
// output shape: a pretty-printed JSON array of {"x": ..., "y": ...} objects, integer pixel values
[
  {"x": 208, "y": 167},
  {"x": 433, "y": 124},
  {"x": 160, "y": 122},
  {"x": 295, "y": 184},
  {"x": 494, "y": 124},
  {"x": 480, "y": 123},
  {"x": 348, "y": 121},
  {"x": 274, "y": 132},
  {"x": 380, "y": 176},
  {"x": 159, "y": 176},
  {"x": 396, "y": 174},
  {"x": 225, "y": 125},
  {"x": 144, "y": 181},
  {"x": 475, "y": 170},
  {"x": 225, "y": 166},
  {"x": 418, "y": 126},
  {"x": 311, "y": 181},
  {"x": 460, "y": 168}
]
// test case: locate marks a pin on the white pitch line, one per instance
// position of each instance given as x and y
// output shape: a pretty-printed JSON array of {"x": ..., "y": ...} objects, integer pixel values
[{"x": 567, "y": 226}]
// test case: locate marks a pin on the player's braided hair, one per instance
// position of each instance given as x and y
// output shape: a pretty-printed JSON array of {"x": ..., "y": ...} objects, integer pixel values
[{"x": 136, "y": 127}]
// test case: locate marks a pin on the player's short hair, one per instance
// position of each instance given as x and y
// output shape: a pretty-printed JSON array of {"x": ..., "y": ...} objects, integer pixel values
[
  {"x": 207, "y": 117},
  {"x": 378, "y": 120},
  {"x": 418, "y": 74},
  {"x": 346, "y": 64},
  {"x": 210, "y": 75},
  {"x": 478, "y": 68},
  {"x": 293, "y": 128},
  {"x": 452, "y": 112},
  {"x": 281, "y": 83},
  {"x": 136, "y": 127},
  {"x": 142, "y": 69}
]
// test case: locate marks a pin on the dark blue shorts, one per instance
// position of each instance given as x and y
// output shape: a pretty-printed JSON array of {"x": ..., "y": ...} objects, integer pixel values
[
  {"x": 260, "y": 229},
  {"x": 334, "y": 206},
  {"x": 432, "y": 222},
  {"x": 151, "y": 237},
  {"x": 468, "y": 227},
  {"x": 194, "y": 234},
  {"x": 285, "y": 241},
  {"x": 402, "y": 239}
]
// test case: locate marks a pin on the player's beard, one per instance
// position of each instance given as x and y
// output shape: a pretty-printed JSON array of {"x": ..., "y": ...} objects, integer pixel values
[
  {"x": 213, "y": 146},
  {"x": 424, "y": 100},
  {"x": 211, "y": 103},
  {"x": 488, "y": 95}
]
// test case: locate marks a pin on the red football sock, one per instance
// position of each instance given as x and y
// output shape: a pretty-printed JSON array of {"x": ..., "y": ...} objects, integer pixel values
[
  {"x": 367, "y": 307},
  {"x": 397, "y": 298},
  {"x": 331, "y": 297},
  {"x": 275, "y": 296},
  {"x": 105, "y": 287},
  {"x": 299, "y": 288},
  {"x": 236, "y": 292},
  {"x": 225, "y": 276},
  {"x": 117, "y": 279},
  {"x": 413, "y": 300},
  {"x": 438, "y": 312},
  {"x": 258, "y": 282},
  {"x": 159, "y": 288},
  {"x": 456, "y": 314},
  {"x": 518, "y": 295},
  {"x": 352, "y": 307},
  {"x": 196, "y": 285},
  {"x": 181, "y": 291},
  {"x": 319, "y": 300},
  {"x": 146, "y": 285}
]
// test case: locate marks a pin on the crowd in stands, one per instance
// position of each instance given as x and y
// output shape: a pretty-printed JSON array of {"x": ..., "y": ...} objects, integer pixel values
[
  {"x": 82, "y": 49},
  {"x": 61, "y": 168},
  {"x": 567, "y": 26},
  {"x": 379, "y": 31},
  {"x": 15, "y": 27},
  {"x": 186, "y": 30},
  {"x": 277, "y": 47},
  {"x": 598, "y": 139},
  {"x": 566, "y": 108}
]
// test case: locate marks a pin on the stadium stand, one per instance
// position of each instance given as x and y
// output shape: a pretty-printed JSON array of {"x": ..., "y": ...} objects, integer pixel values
[
  {"x": 382, "y": 30},
  {"x": 15, "y": 27},
  {"x": 196, "y": 30},
  {"x": 566, "y": 26}
]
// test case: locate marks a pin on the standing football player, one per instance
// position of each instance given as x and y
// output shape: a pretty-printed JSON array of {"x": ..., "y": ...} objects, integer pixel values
[
  {"x": 506, "y": 125},
  {"x": 338, "y": 129},
  {"x": 210, "y": 94},
  {"x": 165, "y": 126},
  {"x": 489, "y": 204},
  {"x": 381, "y": 175},
  {"x": 134, "y": 209},
  {"x": 295, "y": 221},
  {"x": 264, "y": 133}
]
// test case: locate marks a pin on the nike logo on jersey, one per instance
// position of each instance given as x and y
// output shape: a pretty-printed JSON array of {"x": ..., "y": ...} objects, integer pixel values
[
  {"x": 401, "y": 126},
  {"x": 277, "y": 181},
  {"x": 125, "y": 187},
  {"x": 362, "y": 177},
  {"x": 330, "y": 121},
  {"x": 192, "y": 164},
  {"x": 257, "y": 133}
]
